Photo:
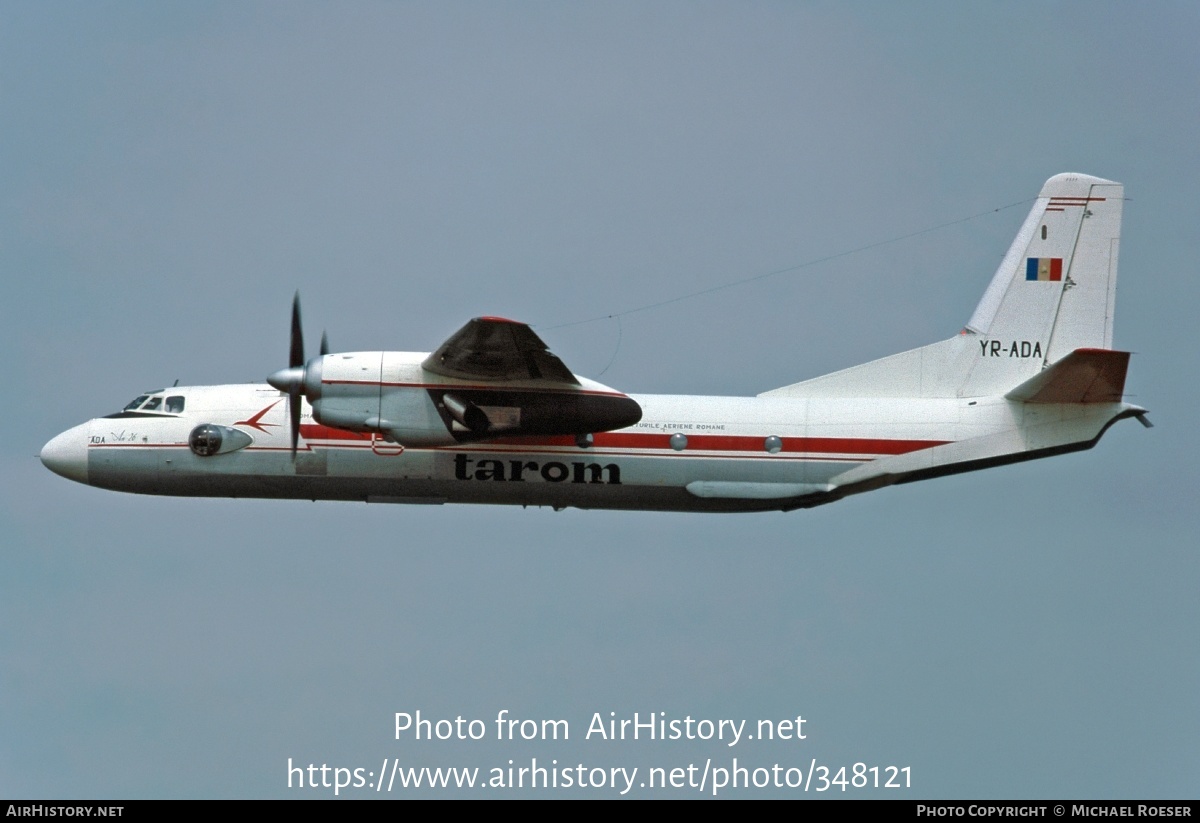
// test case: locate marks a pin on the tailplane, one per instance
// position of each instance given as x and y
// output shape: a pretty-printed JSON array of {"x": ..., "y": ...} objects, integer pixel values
[{"x": 1083, "y": 376}]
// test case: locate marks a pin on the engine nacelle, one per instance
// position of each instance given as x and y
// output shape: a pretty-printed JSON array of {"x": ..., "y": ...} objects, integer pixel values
[
  {"x": 391, "y": 393},
  {"x": 384, "y": 392}
]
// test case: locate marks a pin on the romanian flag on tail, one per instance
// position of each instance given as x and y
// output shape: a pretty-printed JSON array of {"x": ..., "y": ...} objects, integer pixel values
[{"x": 1043, "y": 268}]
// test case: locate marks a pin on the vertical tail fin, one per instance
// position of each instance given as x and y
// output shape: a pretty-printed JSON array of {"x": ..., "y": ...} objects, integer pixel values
[
  {"x": 1053, "y": 294},
  {"x": 1055, "y": 290}
]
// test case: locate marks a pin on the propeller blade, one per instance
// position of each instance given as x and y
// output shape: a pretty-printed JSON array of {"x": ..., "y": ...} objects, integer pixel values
[
  {"x": 294, "y": 414},
  {"x": 296, "y": 354},
  {"x": 296, "y": 364},
  {"x": 294, "y": 380}
]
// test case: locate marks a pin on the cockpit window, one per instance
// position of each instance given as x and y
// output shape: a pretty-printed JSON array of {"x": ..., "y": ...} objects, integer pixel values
[{"x": 150, "y": 402}]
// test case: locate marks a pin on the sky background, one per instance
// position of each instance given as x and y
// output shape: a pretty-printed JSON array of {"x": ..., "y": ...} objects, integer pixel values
[{"x": 171, "y": 173}]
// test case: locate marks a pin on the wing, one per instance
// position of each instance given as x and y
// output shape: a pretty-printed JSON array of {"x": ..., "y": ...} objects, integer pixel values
[{"x": 495, "y": 349}]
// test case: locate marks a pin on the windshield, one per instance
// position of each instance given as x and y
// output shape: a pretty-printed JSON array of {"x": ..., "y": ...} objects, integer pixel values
[{"x": 149, "y": 402}]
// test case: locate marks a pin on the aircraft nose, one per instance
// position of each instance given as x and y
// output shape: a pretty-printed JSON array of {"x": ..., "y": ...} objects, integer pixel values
[{"x": 66, "y": 454}]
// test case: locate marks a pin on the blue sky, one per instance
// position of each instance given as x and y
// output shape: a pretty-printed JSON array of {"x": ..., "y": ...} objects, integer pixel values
[{"x": 174, "y": 172}]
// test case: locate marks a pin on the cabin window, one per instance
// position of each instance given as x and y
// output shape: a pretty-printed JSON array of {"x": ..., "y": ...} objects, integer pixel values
[
  {"x": 175, "y": 404},
  {"x": 1043, "y": 232}
]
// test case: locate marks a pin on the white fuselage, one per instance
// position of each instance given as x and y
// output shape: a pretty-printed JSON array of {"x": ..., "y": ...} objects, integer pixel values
[{"x": 687, "y": 453}]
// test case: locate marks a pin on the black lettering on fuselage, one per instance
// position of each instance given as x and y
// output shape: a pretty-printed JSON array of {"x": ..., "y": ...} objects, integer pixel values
[
  {"x": 460, "y": 466},
  {"x": 519, "y": 471}
]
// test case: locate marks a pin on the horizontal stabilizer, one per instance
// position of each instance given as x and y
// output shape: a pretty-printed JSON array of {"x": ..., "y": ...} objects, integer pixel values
[{"x": 1083, "y": 376}]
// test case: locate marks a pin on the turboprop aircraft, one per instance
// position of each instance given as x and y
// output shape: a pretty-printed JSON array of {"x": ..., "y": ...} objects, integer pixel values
[{"x": 493, "y": 417}]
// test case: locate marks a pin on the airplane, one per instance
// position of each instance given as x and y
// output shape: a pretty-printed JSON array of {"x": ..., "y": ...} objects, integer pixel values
[{"x": 492, "y": 416}]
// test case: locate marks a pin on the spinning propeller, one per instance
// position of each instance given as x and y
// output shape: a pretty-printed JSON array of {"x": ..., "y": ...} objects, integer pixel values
[{"x": 295, "y": 379}]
